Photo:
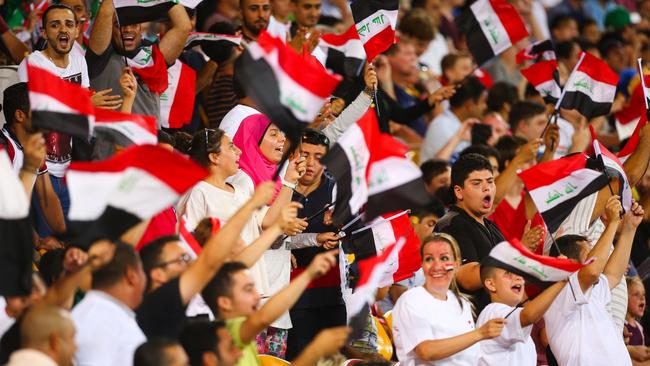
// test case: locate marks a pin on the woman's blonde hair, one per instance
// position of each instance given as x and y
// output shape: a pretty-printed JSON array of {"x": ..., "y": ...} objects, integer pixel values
[{"x": 455, "y": 249}]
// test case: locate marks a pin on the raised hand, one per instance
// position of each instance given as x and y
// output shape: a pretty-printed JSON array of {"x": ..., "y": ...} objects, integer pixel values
[
  {"x": 263, "y": 194},
  {"x": 101, "y": 99},
  {"x": 322, "y": 263}
]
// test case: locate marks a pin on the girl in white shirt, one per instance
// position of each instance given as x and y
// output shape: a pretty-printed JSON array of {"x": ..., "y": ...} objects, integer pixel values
[{"x": 433, "y": 324}]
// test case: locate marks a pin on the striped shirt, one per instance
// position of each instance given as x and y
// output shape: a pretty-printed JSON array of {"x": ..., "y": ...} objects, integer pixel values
[{"x": 220, "y": 99}]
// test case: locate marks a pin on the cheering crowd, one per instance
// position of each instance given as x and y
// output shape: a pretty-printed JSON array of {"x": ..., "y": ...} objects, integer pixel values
[{"x": 324, "y": 182}]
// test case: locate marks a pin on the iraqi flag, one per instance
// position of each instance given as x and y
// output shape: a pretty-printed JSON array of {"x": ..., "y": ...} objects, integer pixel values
[
  {"x": 539, "y": 269},
  {"x": 289, "y": 89},
  {"x": 109, "y": 197},
  {"x": 491, "y": 27},
  {"x": 138, "y": 11},
  {"x": 345, "y": 53},
  {"x": 372, "y": 171},
  {"x": 591, "y": 87},
  {"x": 545, "y": 78},
  {"x": 125, "y": 129},
  {"x": 371, "y": 240},
  {"x": 633, "y": 141},
  {"x": 614, "y": 168},
  {"x": 375, "y": 23},
  {"x": 627, "y": 119},
  {"x": 188, "y": 242},
  {"x": 201, "y": 38},
  {"x": 538, "y": 51},
  {"x": 149, "y": 64},
  {"x": 59, "y": 105},
  {"x": 16, "y": 251},
  {"x": 557, "y": 186},
  {"x": 177, "y": 101}
]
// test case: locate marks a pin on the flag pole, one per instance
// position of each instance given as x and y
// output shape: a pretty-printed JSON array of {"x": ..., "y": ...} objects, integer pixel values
[
  {"x": 119, "y": 26},
  {"x": 571, "y": 77},
  {"x": 388, "y": 219}
]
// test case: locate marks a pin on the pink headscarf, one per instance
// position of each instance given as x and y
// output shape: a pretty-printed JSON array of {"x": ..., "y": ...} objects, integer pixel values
[{"x": 252, "y": 161}]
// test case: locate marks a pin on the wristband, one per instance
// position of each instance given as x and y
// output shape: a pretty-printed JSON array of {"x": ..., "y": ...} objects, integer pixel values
[
  {"x": 291, "y": 186},
  {"x": 370, "y": 92}
]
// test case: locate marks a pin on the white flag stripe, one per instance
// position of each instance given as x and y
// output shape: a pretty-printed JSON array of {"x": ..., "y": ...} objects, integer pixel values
[
  {"x": 352, "y": 48},
  {"x": 626, "y": 130},
  {"x": 132, "y": 190},
  {"x": 167, "y": 97},
  {"x": 598, "y": 91},
  {"x": 491, "y": 26},
  {"x": 354, "y": 145},
  {"x": 376, "y": 23},
  {"x": 390, "y": 173},
  {"x": 151, "y": 3},
  {"x": 13, "y": 199},
  {"x": 547, "y": 197},
  {"x": 44, "y": 102},
  {"x": 365, "y": 293},
  {"x": 549, "y": 86},
  {"x": 130, "y": 130},
  {"x": 507, "y": 254},
  {"x": 383, "y": 234}
]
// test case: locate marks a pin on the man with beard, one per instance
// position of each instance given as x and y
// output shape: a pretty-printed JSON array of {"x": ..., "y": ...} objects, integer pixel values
[
  {"x": 110, "y": 44},
  {"x": 472, "y": 181},
  {"x": 255, "y": 18}
]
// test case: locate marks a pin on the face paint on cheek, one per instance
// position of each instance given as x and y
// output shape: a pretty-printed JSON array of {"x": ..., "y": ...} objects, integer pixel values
[{"x": 449, "y": 267}]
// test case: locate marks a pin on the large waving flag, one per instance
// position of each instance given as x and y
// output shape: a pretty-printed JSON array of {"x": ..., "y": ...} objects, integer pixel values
[
  {"x": 371, "y": 170},
  {"x": 557, "y": 186},
  {"x": 125, "y": 129},
  {"x": 16, "y": 251},
  {"x": 591, "y": 87},
  {"x": 192, "y": 247},
  {"x": 545, "y": 77},
  {"x": 177, "y": 101},
  {"x": 375, "y": 22},
  {"x": 138, "y": 11},
  {"x": 538, "y": 51},
  {"x": 613, "y": 167},
  {"x": 543, "y": 270},
  {"x": 345, "y": 53},
  {"x": 59, "y": 105},
  {"x": 491, "y": 27},
  {"x": 108, "y": 197},
  {"x": 202, "y": 38},
  {"x": 289, "y": 89}
]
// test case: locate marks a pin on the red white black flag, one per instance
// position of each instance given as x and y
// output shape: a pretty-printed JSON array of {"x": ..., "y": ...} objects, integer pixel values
[
  {"x": 557, "y": 186},
  {"x": 109, "y": 197},
  {"x": 543, "y": 270},
  {"x": 375, "y": 22},
  {"x": 59, "y": 105},
  {"x": 16, "y": 251},
  {"x": 201, "y": 38},
  {"x": 538, "y": 51},
  {"x": 372, "y": 171},
  {"x": 150, "y": 65},
  {"x": 591, "y": 87},
  {"x": 545, "y": 78},
  {"x": 177, "y": 101},
  {"x": 627, "y": 119},
  {"x": 491, "y": 27},
  {"x": 614, "y": 168},
  {"x": 633, "y": 141},
  {"x": 345, "y": 53},
  {"x": 289, "y": 89},
  {"x": 125, "y": 129},
  {"x": 138, "y": 11}
]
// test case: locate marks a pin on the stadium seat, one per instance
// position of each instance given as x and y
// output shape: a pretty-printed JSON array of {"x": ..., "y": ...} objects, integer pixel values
[
  {"x": 268, "y": 360},
  {"x": 384, "y": 343}
]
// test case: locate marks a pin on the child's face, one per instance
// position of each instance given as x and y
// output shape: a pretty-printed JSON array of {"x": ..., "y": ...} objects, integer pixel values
[
  {"x": 636, "y": 300},
  {"x": 508, "y": 287},
  {"x": 245, "y": 298}
]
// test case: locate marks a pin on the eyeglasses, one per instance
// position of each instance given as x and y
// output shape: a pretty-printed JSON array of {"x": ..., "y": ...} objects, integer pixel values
[
  {"x": 311, "y": 135},
  {"x": 183, "y": 259}
]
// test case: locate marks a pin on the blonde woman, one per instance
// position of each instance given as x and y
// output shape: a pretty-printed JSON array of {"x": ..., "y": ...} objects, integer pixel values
[{"x": 433, "y": 324}]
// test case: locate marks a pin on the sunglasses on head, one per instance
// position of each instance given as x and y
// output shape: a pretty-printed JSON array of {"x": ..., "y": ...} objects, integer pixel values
[{"x": 317, "y": 136}]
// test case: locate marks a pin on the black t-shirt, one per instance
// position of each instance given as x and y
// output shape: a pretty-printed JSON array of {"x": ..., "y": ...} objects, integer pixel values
[
  {"x": 162, "y": 312},
  {"x": 10, "y": 341},
  {"x": 475, "y": 242}
]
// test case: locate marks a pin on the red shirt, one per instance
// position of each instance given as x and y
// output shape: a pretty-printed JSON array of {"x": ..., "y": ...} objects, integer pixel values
[{"x": 512, "y": 221}]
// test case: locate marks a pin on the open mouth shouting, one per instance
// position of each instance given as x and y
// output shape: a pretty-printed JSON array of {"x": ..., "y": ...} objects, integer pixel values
[
  {"x": 517, "y": 289},
  {"x": 64, "y": 40},
  {"x": 128, "y": 40},
  {"x": 487, "y": 202}
]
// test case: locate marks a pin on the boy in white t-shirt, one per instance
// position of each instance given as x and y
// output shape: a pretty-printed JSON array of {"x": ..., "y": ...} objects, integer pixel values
[
  {"x": 513, "y": 346},
  {"x": 578, "y": 327}
]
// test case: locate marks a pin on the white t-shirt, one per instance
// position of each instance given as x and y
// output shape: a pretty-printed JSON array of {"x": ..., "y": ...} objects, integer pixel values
[
  {"x": 437, "y": 49},
  {"x": 513, "y": 346},
  {"x": 439, "y": 132},
  {"x": 419, "y": 317},
  {"x": 232, "y": 120},
  {"x": 579, "y": 329},
  {"x": 59, "y": 146},
  {"x": 566, "y": 138},
  {"x": 205, "y": 200},
  {"x": 107, "y": 332}
]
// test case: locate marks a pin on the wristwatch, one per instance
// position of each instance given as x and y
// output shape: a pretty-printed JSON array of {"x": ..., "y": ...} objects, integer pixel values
[{"x": 289, "y": 185}]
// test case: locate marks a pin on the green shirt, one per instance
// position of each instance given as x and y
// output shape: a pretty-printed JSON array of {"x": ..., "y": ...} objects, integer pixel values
[{"x": 249, "y": 350}]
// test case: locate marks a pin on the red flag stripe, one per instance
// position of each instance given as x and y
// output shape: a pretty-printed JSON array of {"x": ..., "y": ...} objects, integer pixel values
[
  {"x": 338, "y": 40},
  {"x": 45, "y": 83},
  {"x": 540, "y": 72},
  {"x": 554, "y": 170},
  {"x": 510, "y": 19},
  {"x": 147, "y": 123},
  {"x": 598, "y": 70}
]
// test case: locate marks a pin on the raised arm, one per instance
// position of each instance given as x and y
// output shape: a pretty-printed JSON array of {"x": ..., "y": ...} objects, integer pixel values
[
  {"x": 438, "y": 349},
  {"x": 219, "y": 246},
  {"x": 172, "y": 44},
  {"x": 617, "y": 263},
  {"x": 286, "y": 298},
  {"x": 508, "y": 177},
  {"x": 100, "y": 35},
  {"x": 589, "y": 274},
  {"x": 296, "y": 169},
  {"x": 17, "y": 49},
  {"x": 535, "y": 308},
  {"x": 253, "y": 252}
]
